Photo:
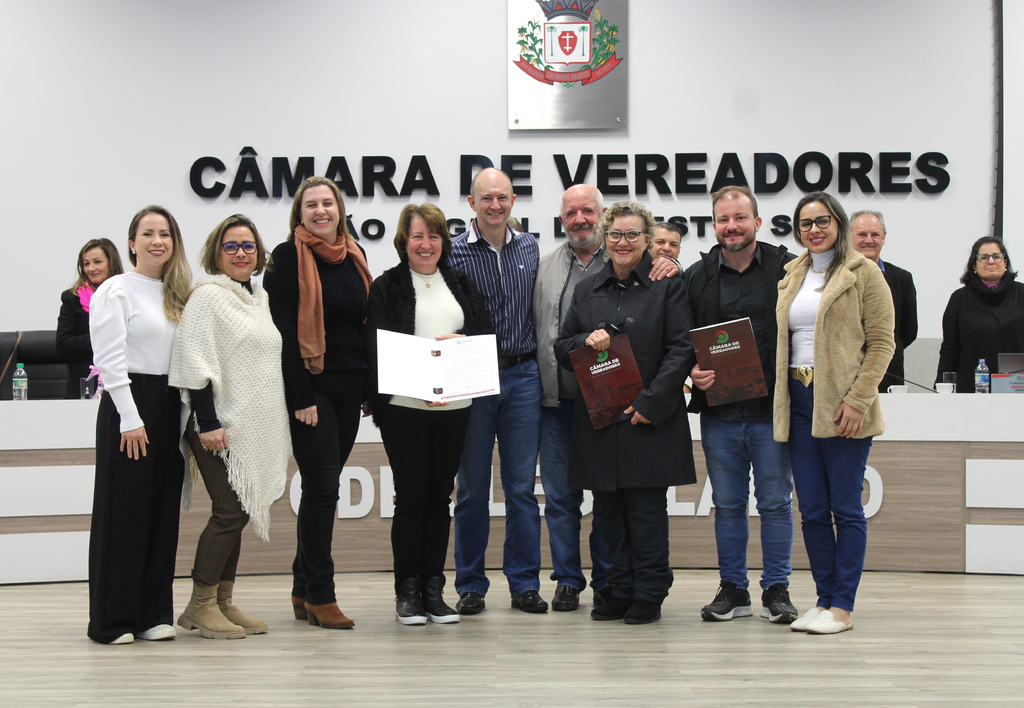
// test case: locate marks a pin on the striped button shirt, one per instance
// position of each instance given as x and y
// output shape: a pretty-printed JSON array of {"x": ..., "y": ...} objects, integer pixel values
[{"x": 506, "y": 281}]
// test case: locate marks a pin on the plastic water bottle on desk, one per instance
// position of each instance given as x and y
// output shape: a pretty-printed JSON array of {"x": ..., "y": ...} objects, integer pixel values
[
  {"x": 981, "y": 378},
  {"x": 20, "y": 383}
]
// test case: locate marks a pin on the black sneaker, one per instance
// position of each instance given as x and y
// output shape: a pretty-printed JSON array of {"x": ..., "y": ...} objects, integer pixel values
[
  {"x": 777, "y": 607},
  {"x": 730, "y": 602}
]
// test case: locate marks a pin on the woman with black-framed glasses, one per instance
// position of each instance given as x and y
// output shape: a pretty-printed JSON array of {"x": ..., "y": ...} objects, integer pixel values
[
  {"x": 984, "y": 317},
  {"x": 227, "y": 361},
  {"x": 835, "y": 339}
]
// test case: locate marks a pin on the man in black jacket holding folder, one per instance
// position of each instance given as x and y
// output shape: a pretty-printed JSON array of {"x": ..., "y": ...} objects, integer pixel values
[{"x": 739, "y": 278}]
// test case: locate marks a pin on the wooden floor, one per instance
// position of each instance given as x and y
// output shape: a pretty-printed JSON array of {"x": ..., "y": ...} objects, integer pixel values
[{"x": 920, "y": 640}]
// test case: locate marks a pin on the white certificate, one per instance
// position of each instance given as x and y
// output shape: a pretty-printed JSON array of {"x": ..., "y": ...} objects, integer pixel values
[{"x": 437, "y": 370}]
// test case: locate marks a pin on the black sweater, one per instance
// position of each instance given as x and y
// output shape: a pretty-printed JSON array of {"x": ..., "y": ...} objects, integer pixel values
[{"x": 344, "y": 300}]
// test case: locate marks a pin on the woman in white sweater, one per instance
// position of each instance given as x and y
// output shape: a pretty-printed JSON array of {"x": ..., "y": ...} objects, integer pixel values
[
  {"x": 134, "y": 534},
  {"x": 227, "y": 361}
]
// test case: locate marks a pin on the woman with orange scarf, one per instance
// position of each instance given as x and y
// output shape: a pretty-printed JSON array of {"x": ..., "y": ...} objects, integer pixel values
[{"x": 318, "y": 287}]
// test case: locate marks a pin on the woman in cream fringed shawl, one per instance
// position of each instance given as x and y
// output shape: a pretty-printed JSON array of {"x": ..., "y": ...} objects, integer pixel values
[{"x": 227, "y": 361}]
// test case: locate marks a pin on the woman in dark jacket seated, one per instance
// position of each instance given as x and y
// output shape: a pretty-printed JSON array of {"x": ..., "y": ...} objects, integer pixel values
[
  {"x": 984, "y": 317},
  {"x": 422, "y": 296},
  {"x": 630, "y": 465},
  {"x": 97, "y": 261}
]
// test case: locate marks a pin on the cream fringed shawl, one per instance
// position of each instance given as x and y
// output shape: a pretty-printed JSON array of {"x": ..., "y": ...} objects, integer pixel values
[{"x": 226, "y": 336}]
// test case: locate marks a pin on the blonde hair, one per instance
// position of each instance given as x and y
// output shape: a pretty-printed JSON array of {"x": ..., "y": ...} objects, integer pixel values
[{"x": 176, "y": 274}]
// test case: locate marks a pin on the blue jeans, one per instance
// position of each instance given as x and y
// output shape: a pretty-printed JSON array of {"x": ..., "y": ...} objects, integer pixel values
[
  {"x": 513, "y": 416},
  {"x": 731, "y": 449},
  {"x": 562, "y": 505},
  {"x": 829, "y": 477}
]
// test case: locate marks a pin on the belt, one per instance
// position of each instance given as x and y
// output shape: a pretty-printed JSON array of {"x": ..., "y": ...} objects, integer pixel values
[
  {"x": 803, "y": 374},
  {"x": 148, "y": 380},
  {"x": 506, "y": 361}
]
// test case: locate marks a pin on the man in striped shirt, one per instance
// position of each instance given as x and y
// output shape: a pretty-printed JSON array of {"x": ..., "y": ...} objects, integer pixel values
[{"x": 503, "y": 264}]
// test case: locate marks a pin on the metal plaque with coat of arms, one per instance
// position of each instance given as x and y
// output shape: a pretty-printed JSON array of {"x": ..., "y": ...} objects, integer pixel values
[{"x": 567, "y": 64}]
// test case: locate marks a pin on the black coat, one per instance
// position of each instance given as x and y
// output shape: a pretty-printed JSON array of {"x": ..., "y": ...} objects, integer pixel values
[
  {"x": 704, "y": 294},
  {"x": 392, "y": 306},
  {"x": 657, "y": 319},
  {"x": 979, "y": 323},
  {"x": 73, "y": 343},
  {"x": 904, "y": 300}
]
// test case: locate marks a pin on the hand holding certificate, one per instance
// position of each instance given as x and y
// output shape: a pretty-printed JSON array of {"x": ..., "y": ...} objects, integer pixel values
[{"x": 437, "y": 370}]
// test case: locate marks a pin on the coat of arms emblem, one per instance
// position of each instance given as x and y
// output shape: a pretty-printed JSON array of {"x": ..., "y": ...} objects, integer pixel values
[{"x": 569, "y": 46}]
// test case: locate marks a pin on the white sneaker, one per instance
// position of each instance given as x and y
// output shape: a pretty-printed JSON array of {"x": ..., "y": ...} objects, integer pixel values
[
  {"x": 825, "y": 623},
  {"x": 800, "y": 625},
  {"x": 126, "y": 638},
  {"x": 158, "y": 633}
]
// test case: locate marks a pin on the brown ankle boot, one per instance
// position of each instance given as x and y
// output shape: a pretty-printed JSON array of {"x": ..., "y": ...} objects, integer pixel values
[
  {"x": 235, "y": 615},
  {"x": 203, "y": 614},
  {"x": 329, "y": 616},
  {"x": 299, "y": 607}
]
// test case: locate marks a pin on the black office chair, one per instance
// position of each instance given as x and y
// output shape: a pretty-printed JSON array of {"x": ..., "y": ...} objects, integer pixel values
[{"x": 47, "y": 374}]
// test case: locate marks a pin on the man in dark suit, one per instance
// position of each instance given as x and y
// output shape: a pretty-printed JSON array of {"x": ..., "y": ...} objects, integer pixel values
[{"x": 868, "y": 229}]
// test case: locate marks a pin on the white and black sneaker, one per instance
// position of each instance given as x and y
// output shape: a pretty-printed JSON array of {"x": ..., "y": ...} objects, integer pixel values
[
  {"x": 777, "y": 606},
  {"x": 730, "y": 602}
]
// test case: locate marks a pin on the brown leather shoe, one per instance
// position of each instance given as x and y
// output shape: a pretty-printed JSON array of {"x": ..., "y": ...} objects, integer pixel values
[
  {"x": 328, "y": 616},
  {"x": 299, "y": 607}
]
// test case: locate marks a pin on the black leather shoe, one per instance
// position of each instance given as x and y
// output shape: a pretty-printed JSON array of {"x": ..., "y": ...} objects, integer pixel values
[
  {"x": 566, "y": 599},
  {"x": 602, "y": 596},
  {"x": 530, "y": 601},
  {"x": 643, "y": 612},
  {"x": 614, "y": 609},
  {"x": 470, "y": 603}
]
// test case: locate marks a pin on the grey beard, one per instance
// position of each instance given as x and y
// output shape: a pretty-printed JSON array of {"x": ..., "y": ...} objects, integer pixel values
[{"x": 586, "y": 244}]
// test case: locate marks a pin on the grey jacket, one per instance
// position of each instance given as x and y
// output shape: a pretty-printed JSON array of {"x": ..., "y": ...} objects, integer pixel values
[{"x": 552, "y": 277}]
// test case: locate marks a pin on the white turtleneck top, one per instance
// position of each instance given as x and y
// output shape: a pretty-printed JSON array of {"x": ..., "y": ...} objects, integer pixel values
[{"x": 804, "y": 310}]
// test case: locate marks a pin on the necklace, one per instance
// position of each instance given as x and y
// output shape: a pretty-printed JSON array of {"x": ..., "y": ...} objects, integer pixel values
[
  {"x": 813, "y": 270},
  {"x": 425, "y": 278}
]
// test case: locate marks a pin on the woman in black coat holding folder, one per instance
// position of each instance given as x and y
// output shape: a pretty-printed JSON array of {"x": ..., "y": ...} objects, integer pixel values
[
  {"x": 422, "y": 296},
  {"x": 630, "y": 465}
]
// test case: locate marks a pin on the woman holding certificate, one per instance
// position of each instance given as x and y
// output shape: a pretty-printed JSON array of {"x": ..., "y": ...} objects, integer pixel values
[
  {"x": 318, "y": 287},
  {"x": 424, "y": 297},
  {"x": 629, "y": 465}
]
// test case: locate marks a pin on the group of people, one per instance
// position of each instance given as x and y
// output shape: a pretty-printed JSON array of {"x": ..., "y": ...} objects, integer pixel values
[{"x": 225, "y": 379}]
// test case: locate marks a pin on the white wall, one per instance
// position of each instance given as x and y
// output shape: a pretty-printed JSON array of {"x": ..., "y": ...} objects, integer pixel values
[{"x": 105, "y": 105}]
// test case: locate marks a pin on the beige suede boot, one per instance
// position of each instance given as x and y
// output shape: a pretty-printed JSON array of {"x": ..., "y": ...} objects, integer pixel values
[
  {"x": 203, "y": 614},
  {"x": 233, "y": 614}
]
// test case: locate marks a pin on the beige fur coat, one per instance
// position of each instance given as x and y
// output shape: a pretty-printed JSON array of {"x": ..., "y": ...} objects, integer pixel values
[{"x": 853, "y": 343}]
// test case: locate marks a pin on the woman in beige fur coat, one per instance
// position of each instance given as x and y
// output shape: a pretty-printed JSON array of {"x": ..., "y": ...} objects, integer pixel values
[{"x": 836, "y": 319}]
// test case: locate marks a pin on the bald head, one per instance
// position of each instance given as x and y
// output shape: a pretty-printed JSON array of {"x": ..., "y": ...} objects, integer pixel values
[{"x": 491, "y": 197}]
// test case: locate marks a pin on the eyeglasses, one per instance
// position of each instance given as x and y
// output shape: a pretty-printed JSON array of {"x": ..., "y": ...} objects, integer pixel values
[
  {"x": 231, "y": 247},
  {"x": 993, "y": 257},
  {"x": 822, "y": 222},
  {"x": 631, "y": 236}
]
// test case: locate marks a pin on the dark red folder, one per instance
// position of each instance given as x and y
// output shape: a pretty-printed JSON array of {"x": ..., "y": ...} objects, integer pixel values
[
  {"x": 609, "y": 380},
  {"x": 731, "y": 350}
]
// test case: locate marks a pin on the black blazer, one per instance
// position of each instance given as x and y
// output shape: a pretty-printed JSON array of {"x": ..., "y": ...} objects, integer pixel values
[
  {"x": 73, "y": 343},
  {"x": 904, "y": 300}
]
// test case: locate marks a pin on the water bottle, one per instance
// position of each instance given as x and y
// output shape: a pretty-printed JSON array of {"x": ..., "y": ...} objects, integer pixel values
[
  {"x": 981, "y": 378},
  {"x": 20, "y": 381}
]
